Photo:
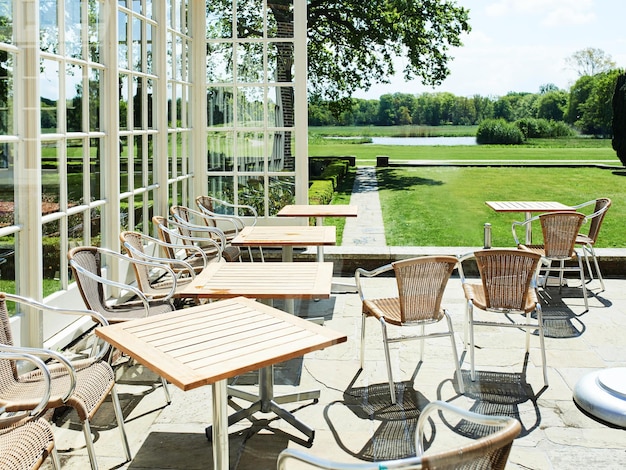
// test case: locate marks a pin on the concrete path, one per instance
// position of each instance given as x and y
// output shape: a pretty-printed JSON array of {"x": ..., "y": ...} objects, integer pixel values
[{"x": 368, "y": 228}]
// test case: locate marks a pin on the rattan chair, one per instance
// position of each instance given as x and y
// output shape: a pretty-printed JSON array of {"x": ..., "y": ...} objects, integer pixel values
[
  {"x": 87, "y": 268},
  {"x": 421, "y": 283},
  {"x": 588, "y": 240},
  {"x": 507, "y": 287},
  {"x": 175, "y": 249},
  {"x": 490, "y": 450},
  {"x": 192, "y": 223},
  {"x": 154, "y": 282},
  {"x": 26, "y": 439},
  {"x": 560, "y": 230},
  {"x": 83, "y": 386},
  {"x": 218, "y": 211}
]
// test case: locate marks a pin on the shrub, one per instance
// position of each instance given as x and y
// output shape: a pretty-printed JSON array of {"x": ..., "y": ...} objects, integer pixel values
[
  {"x": 498, "y": 131},
  {"x": 543, "y": 128}
]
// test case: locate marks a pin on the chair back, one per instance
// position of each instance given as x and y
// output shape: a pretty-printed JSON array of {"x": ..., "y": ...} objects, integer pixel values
[
  {"x": 8, "y": 370},
  {"x": 421, "y": 283},
  {"x": 506, "y": 275},
  {"x": 559, "y": 233},
  {"x": 133, "y": 243},
  {"x": 602, "y": 205},
  {"x": 87, "y": 258}
]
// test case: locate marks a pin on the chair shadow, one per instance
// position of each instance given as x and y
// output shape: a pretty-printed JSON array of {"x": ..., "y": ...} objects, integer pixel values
[
  {"x": 559, "y": 320},
  {"x": 394, "y": 438}
]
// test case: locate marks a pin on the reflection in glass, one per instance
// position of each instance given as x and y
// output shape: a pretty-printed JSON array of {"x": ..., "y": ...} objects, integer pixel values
[
  {"x": 7, "y": 264},
  {"x": 138, "y": 101},
  {"x": 281, "y": 192},
  {"x": 122, "y": 41},
  {"x": 220, "y": 151},
  {"x": 220, "y": 106},
  {"x": 7, "y": 154},
  {"x": 49, "y": 88},
  {"x": 94, "y": 99},
  {"x": 219, "y": 20},
  {"x": 251, "y": 151},
  {"x": 95, "y": 151},
  {"x": 280, "y": 62},
  {"x": 6, "y": 25},
  {"x": 250, "y": 107},
  {"x": 136, "y": 58},
  {"x": 221, "y": 187},
  {"x": 6, "y": 94},
  {"x": 148, "y": 162},
  {"x": 219, "y": 66},
  {"x": 73, "y": 27},
  {"x": 125, "y": 165},
  {"x": 50, "y": 181},
  {"x": 74, "y": 97},
  {"x": 279, "y": 19},
  {"x": 52, "y": 255},
  {"x": 150, "y": 32},
  {"x": 74, "y": 152},
  {"x": 250, "y": 62},
  {"x": 94, "y": 31},
  {"x": 48, "y": 26},
  {"x": 124, "y": 108},
  {"x": 250, "y": 18},
  {"x": 252, "y": 192}
]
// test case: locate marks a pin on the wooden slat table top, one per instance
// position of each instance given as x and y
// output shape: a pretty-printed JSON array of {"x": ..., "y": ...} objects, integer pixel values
[
  {"x": 285, "y": 236},
  {"x": 201, "y": 345},
  {"x": 318, "y": 210},
  {"x": 528, "y": 206},
  {"x": 262, "y": 281}
]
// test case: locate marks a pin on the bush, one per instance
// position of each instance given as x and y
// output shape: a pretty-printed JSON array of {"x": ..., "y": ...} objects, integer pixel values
[
  {"x": 498, "y": 131},
  {"x": 543, "y": 128}
]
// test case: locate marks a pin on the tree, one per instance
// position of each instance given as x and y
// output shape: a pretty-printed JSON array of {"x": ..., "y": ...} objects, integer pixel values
[
  {"x": 619, "y": 118},
  {"x": 596, "y": 112},
  {"x": 590, "y": 61},
  {"x": 353, "y": 43}
]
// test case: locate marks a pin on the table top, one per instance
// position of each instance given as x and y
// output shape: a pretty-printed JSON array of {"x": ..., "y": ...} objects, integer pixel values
[
  {"x": 318, "y": 210},
  {"x": 262, "y": 281},
  {"x": 285, "y": 236},
  {"x": 201, "y": 345},
  {"x": 528, "y": 206}
]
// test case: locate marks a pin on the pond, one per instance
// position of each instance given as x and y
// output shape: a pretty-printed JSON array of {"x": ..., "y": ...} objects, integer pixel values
[{"x": 424, "y": 140}]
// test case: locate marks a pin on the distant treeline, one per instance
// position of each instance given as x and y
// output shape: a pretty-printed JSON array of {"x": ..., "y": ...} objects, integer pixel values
[{"x": 586, "y": 107}]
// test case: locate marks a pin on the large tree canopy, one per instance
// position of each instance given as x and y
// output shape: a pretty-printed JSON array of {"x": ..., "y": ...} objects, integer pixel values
[{"x": 353, "y": 43}]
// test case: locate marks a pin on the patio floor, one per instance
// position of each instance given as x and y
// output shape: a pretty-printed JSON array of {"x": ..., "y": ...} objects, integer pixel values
[{"x": 355, "y": 420}]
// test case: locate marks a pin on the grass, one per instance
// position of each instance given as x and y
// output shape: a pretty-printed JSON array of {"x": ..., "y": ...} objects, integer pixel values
[{"x": 445, "y": 206}]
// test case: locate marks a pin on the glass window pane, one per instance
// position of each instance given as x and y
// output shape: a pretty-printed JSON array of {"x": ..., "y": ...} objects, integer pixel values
[
  {"x": 7, "y": 264},
  {"x": 125, "y": 165},
  {"x": 150, "y": 32},
  {"x": 6, "y": 95},
  {"x": 219, "y": 67},
  {"x": 250, "y": 107},
  {"x": 251, "y": 151},
  {"x": 94, "y": 100},
  {"x": 279, "y": 19},
  {"x": 149, "y": 95},
  {"x": 94, "y": 30},
  {"x": 220, "y": 106},
  {"x": 250, "y": 63},
  {"x": 280, "y": 107},
  {"x": 73, "y": 27},
  {"x": 148, "y": 161},
  {"x": 221, "y": 151},
  {"x": 124, "y": 108},
  {"x": 48, "y": 26},
  {"x": 252, "y": 192},
  {"x": 50, "y": 178},
  {"x": 74, "y": 151},
  {"x": 95, "y": 152},
  {"x": 250, "y": 18},
  {"x": 7, "y": 184},
  {"x": 281, "y": 193},
  {"x": 136, "y": 56},
  {"x": 138, "y": 102},
  {"x": 49, "y": 89},
  {"x": 122, "y": 40},
  {"x": 280, "y": 62},
  {"x": 219, "y": 20},
  {"x": 52, "y": 257},
  {"x": 6, "y": 25},
  {"x": 221, "y": 187},
  {"x": 74, "y": 97}
]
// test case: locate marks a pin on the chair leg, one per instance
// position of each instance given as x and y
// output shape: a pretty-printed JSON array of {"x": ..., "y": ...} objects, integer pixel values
[
  {"x": 470, "y": 317},
  {"x": 582, "y": 280},
  {"x": 595, "y": 262},
  {"x": 363, "y": 318},
  {"x": 542, "y": 344},
  {"x": 423, "y": 330},
  {"x": 455, "y": 356},
  {"x": 527, "y": 332},
  {"x": 392, "y": 387},
  {"x": 89, "y": 443},
  {"x": 120, "y": 422},
  {"x": 54, "y": 457},
  {"x": 561, "y": 270}
]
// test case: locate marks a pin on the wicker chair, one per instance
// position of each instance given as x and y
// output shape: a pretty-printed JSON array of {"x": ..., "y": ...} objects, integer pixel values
[
  {"x": 421, "y": 283},
  {"x": 218, "y": 211},
  {"x": 488, "y": 451},
  {"x": 508, "y": 279},
  {"x": 26, "y": 440},
  {"x": 192, "y": 223},
  {"x": 86, "y": 263},
  {"x": 157, "y": 284},
  {"x": 588, "y": 240},
  {"x": 560, "y": 230},
  {"x": 83, "y": 386}
]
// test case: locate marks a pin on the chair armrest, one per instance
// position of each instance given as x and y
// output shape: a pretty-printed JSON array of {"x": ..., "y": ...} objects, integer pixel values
[
  {"x": 96, "y": 354},
  {"x": 211, "y": 219},
  {"x": 13, "y": 354},
  {"x": 360, "y": 272},
  {"x": 324, "y": 463},
  {"x": 48, "y": 354},
  {"x": 516, "y": 224},
  {"x": 185, "y": 266},
  {"x": 437, "y": 405}
]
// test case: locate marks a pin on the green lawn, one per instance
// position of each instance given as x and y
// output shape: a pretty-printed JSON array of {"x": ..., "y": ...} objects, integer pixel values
[{"x": 445, "y": 206}]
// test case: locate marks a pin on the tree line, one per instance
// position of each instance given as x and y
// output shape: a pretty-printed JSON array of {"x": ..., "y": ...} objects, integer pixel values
[{"x": 586, "y": 107}]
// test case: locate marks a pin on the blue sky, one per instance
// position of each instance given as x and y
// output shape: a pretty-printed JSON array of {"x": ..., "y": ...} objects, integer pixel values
[{"x": 519, "y": 45}]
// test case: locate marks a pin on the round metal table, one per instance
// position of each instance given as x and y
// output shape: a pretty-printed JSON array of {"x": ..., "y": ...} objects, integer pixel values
[{"x": 602, "y": 394}]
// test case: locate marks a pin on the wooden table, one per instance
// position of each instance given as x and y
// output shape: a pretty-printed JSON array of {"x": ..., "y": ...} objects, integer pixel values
[
  {"x": 528, "y": 207},
  {"x": 319, "y": 211},
  {"x": 285, "y": 237},
  {"x": 211, "y": 343}
]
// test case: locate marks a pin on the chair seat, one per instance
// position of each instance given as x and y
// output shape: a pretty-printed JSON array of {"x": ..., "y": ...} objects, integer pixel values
[
  {"x": 540, "y": 250},
  {"x": 389, "y": 308},
  {"x": 582, "y": 239},
  {"x": 25, "y": 445},
  {"x": 476, "y": 293}
]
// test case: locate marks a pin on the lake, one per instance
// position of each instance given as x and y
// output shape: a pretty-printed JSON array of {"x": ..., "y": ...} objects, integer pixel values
[{"x": 424, "y": 140}]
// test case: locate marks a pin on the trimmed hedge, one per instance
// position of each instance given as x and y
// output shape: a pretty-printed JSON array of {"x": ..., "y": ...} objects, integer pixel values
[{"x": 322, "y": 187}]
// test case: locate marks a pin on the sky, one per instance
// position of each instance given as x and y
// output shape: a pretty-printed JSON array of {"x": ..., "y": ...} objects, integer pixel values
[{"x": 520, "y": 45}]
